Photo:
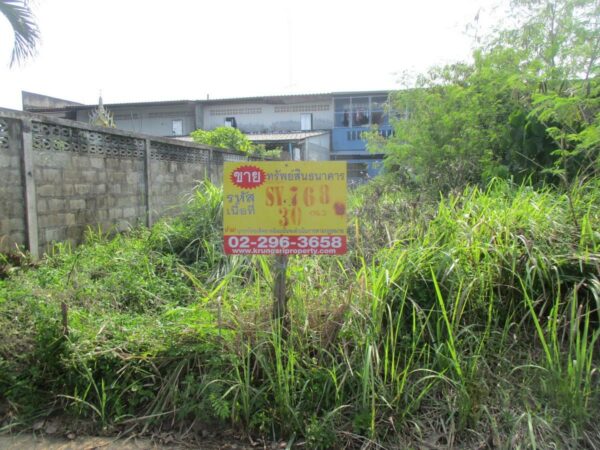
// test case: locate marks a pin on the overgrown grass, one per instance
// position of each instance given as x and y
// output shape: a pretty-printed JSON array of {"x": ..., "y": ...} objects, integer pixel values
[{"x": 468, "y": 322}]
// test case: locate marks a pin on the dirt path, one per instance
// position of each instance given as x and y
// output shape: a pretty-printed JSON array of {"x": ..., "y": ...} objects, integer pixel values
[{"x": 29, "y": 441}]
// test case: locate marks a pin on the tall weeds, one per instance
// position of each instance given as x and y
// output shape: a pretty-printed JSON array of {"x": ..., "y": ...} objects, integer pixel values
[{"x": 462, "y": 322}]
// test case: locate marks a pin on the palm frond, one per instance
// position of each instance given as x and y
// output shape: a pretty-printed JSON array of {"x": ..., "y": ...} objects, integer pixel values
[{"x": 27, "y": 34}]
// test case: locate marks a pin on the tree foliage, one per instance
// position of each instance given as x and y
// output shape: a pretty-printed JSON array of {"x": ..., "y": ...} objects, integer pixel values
[
  {"x": 528, "y": 105},
  {"x": 232, "y": 139},
  {"x": 223, "y": 137},
  {"x": 26, "y": 32}
]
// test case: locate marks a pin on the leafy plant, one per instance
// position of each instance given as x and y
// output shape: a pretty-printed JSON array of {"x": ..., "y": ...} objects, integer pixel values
[{"x": 233, "y": 139}]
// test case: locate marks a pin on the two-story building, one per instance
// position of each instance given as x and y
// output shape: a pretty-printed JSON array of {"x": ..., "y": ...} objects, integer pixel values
[{"x": 309, "y": 126}]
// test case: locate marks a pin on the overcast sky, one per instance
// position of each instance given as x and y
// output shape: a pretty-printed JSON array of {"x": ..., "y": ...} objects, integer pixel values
[{"x": 145, "y": 50}]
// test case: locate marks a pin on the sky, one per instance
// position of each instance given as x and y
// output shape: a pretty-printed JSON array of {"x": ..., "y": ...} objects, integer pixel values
[{"x": 151, "y": 50}]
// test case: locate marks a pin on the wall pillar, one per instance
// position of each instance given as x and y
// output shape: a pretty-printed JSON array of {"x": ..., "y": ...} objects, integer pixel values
[
  {"x": 31, "y": 218},
  {"x": 147, "y": 182},
  {"x": 212, "y": 173}
]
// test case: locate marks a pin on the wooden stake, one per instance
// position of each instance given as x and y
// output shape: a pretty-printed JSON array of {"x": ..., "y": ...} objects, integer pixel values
[{"x": 279, "y": 291}]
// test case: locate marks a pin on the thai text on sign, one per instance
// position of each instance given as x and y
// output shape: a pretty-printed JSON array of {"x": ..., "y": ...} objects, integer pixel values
[{"x": 285, "y": 208}]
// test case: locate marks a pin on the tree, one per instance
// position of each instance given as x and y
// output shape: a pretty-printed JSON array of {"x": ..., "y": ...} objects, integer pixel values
[
  {"x": 560, "y": 38},
  {"x": 560, "y": 45},
  {"x": 461, "y": 124},
  {"x": 26, "y": 32},
  {"x": 223, "y": 137},
  {"x": 232, "y": 139},
  {"x": 528, "y": 106}
]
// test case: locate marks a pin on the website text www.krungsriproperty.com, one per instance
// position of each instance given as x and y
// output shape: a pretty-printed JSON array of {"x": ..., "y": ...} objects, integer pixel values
[{"x": 284, "y": 251}]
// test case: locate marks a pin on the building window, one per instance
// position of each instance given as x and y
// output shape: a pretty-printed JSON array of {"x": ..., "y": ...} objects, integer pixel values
[
  {"x": 306, "y": 122},
  {"x": 342, "y": 112},
  {"x": 360, "y": 111},
  {"x": 230, "y": 122},
  {"x": 177, "y": 129},
  {"x": 378, "y": 115}
]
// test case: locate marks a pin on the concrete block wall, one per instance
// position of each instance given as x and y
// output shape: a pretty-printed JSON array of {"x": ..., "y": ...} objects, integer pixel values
[
  {"x": 12, "y": 206},
  {"x": 58, "y": 178},
  {"x": 175, "y": 171},
  {"x": 74, "y": 191}
]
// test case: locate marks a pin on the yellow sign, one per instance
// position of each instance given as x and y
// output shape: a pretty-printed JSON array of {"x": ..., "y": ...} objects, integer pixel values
[{"x": 285, "y": 207}]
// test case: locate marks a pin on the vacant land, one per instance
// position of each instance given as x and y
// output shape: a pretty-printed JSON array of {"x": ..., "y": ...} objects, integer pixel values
[{"x": 468, "y": 322}]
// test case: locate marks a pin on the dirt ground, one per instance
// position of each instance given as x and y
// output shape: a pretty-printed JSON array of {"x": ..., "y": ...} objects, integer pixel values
[
  {"x": 61, "y": 433},
  {"x": 30, "y": 441},
  {"x": 27, "y": 441}
]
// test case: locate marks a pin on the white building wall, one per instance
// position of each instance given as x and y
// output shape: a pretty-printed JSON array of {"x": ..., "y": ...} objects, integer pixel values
[
  {"x": 318, "y": 148},
  {"x": 262, "y": 117},
  {"x": 156, "y": 121}
]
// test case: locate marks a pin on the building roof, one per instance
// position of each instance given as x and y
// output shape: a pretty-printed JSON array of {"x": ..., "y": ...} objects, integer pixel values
[
  {"x": 113, "y": 105},
  {"x": 284, "y": 137},
  {"x": 283, "y": 98},
  {"x": 359, "y": 93},
  {"x": 273, "y": 137},
  {"x": 269, "y": 99}
]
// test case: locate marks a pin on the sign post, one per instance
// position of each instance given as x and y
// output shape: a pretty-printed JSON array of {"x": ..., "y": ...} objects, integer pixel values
[
  {"x": 284, "y": 208},
  {"x": 279, "y": 289}
]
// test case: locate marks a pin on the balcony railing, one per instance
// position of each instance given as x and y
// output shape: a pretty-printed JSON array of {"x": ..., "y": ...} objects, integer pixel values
[{"x": 353, "y": 139}]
